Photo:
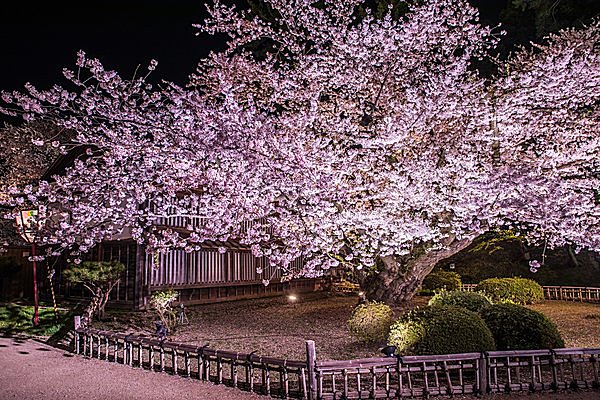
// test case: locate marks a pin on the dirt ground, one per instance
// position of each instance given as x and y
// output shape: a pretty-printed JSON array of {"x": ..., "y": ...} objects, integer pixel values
[
  {"x": 272, "y": 327},
  {"x": 578, "y": 323},
  {"x": 33, "y": 370},
  {"x": 279, "y": 328}
]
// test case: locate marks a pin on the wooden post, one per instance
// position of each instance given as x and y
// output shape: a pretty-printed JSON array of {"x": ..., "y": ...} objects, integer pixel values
[
  {"x": 311, "y": 359},
  {"x": 483, "y": 374},
  {"x": 76, "y": 325},
  {"x": 554, "y": 384}
]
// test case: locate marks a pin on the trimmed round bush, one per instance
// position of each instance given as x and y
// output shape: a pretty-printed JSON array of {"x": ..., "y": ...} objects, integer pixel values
[
  {"x": 440, "y": 330},
  {"x": 472, "y": 301},
  {"x": 439, "y": 280},
  {"x": 516, "y": 328},
  {"x": 370, "y": 322},
  {"x": 516, "y": 290}
]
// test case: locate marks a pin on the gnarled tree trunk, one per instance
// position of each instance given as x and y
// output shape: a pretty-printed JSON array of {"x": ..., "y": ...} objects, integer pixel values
[
  {"x": 91, "y": 308},
  {"x": 399, "y": 278},
  {"x": 97, "y": 303}
]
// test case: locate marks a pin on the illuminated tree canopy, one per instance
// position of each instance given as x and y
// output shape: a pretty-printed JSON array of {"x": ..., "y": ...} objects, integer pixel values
[{"x": 365, "y": 143}]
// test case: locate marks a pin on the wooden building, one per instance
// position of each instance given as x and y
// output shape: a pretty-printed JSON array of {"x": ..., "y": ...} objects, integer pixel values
[{"x": 203, "y": 276}]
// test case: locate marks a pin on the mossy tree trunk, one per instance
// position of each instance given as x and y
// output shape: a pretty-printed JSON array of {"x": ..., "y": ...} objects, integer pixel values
[
  {"x": 92, "y": 308},
  {"x": 99, "y": 278},
  {"x": 97, "y": 303},
  {"x": 398, "y": 278}
]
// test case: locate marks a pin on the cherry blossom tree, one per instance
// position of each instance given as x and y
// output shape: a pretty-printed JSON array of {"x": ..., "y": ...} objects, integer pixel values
[{"x": 351, "y": 142}]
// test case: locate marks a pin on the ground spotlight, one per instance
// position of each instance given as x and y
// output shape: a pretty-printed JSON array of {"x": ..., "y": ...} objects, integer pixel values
[
  {"x": 389, "y": 351},
  {"x": 362, "y": 298},
  {"x": 292, "y": 298}
]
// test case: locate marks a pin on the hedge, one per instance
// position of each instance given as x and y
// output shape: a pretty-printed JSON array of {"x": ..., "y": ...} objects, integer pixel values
[
  {"x": 439, "y": 280},
  {"x": 472, "y": 301},
  {"x": 517, "y": 290},
  {"x": 515, "y": 327},
  {"x": 370, "y": 322},
  {"x": 440, "y": 330}
]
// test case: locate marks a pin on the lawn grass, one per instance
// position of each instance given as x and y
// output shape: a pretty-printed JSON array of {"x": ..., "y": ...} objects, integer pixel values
[
  {"x": 18, "y": 319},
  {"x": 578, "y": 323}
]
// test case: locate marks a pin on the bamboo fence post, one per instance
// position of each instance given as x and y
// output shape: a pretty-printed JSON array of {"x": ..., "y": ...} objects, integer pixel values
[
  {"x": 483, "y": 374},
  {"x": 91, "y": 343},
  {"x": 311, "y": 359},
  {"x": 116, "y": 349},
  {"x": 141, "y": 353},
  {"x": 76, "y": 326},
  {"x": 151, "y": 357},
  {"x": 554, "y": 384},
  {"x": 174, "y": 361},
  {"x": 129, "y": 351}
]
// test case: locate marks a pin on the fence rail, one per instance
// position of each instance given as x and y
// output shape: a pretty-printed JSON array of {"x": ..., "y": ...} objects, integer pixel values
[
  {"x": 286, "y": 379},
  {"x": 470, "y": 373},
  {"x": 570, "y": 293},
  {"x": 519, "y": 371}
]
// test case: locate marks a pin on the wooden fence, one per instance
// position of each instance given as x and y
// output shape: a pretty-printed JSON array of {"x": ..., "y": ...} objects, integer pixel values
[
  {"x": 571, "y": 293},
  {"x": 286, "y": 379},
  {"x": 453, "y": 374},
  {"x": 370, "y": 378}
]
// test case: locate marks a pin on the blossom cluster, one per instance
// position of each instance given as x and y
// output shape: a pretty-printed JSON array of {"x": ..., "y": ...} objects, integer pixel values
[{"x": 348, "y": 141}]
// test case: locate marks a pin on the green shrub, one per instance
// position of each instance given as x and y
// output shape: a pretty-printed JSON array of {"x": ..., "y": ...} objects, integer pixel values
[
  {"x": 472, "y": 301},
  {"x": 370, "y": 322},
  {"x": 517, "y": 290},
  {"x": 440, "y": 330},
  {"x": 517, "y": 327},
  {"x": 441, "y": 280},
  {"x": 99, "y": 278},
  {"x": 161, "y": 302}
]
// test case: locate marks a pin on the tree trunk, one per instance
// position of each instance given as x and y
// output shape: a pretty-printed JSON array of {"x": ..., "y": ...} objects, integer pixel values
[
  {"x": 92, "y": 308},
  {"x": 102, "y": 305},
  {"x": 399, "y": 278}
]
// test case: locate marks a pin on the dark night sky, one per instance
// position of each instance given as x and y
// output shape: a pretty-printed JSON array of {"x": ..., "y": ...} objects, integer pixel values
[{"x": 39, "y": 39}]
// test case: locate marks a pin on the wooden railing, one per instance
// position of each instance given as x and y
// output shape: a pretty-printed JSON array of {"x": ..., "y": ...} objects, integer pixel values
[
  {"x": 570, "y": 293},
  {"x": 397, "y": 377},
  {"x": 393, "y": 377},
  {"x": 470, "y": 373},
  {"x": 286, "y": 379},
  {"x": 468, "y": 287}
]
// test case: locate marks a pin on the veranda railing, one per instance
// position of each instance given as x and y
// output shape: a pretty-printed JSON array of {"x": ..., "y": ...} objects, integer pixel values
[{"x": 370, "y": 378}]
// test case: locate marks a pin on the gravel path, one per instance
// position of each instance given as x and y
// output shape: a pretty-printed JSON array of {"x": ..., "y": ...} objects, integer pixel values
[{"x": 33, "y": 370}]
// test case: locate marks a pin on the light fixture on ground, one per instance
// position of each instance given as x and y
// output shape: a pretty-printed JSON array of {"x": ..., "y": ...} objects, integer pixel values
[
  {"x": 362, "y": 297},
  {"x": 389, "y": 351},
  {"x": 292, "y": 298}
]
